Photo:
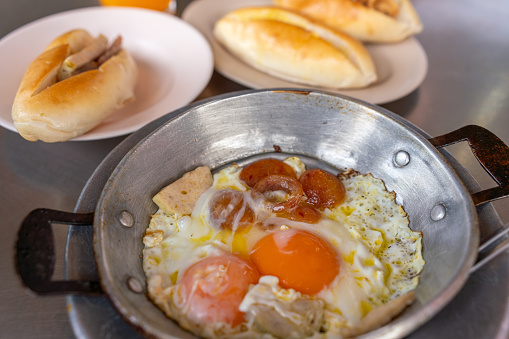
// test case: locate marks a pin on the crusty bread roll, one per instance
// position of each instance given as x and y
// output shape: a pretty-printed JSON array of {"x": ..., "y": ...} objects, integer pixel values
[
  {"x": 290, "y": 46},
  {"x": 51, "y": 110},
  {"x": 379, "y": 21}
]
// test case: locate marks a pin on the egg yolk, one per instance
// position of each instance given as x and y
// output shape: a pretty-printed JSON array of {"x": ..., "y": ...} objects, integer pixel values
[
  {"x": 300, "y": 259},
  {"x": 213, "y": 288}
]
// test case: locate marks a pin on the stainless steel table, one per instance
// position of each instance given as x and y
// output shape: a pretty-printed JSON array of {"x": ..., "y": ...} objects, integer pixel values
[{"x": 467, "y": 43}]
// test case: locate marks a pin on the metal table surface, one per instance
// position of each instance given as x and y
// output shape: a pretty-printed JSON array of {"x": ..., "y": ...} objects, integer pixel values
[{"x": 467, "y": 44}]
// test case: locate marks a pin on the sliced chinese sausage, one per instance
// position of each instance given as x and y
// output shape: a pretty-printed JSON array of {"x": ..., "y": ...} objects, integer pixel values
[
  {"x": 280, "y": 192},
  {"x": 302, "y": 213},
  {"x": 229, "y": 210},
  {"x": 322, "y": 189},
  {"x": 258, "y": 170}
]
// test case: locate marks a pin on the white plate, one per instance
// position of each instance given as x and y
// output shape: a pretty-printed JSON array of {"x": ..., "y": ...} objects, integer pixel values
[
  {"x": 175, "y": 61},
  {"x": 401, "y": 67}
]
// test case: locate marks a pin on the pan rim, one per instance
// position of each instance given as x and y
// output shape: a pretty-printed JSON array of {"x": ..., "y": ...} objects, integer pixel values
[{"x": 399, "y": 326}]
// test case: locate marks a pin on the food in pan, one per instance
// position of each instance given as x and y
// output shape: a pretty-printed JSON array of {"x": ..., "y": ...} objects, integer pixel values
[
  {"x": 380, "y": 21},
  {"x": 292, "y": 47},
  {"x": 74, "y": 85},
  {"x": 282, "y": 251}
]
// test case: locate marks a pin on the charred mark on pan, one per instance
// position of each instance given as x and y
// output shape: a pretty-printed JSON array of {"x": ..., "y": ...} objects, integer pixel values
[{"x": 293, "y": 91}]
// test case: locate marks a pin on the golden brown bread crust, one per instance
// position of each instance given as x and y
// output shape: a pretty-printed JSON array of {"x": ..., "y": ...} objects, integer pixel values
[
  {"x": 362, "y": 22},
  {"x": 52, "y": 111},
  {"x": 290, "y": 46},
  {"x": 77, "y": 39}
]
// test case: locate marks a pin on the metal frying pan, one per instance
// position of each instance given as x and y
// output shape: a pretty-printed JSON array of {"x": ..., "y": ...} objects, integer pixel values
[{"x": 326, "y": 130}]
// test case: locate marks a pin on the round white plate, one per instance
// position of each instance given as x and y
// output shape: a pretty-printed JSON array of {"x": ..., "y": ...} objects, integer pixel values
[
  {"x": 175, "y": 61},
  {"x": 401, "y": 67}
]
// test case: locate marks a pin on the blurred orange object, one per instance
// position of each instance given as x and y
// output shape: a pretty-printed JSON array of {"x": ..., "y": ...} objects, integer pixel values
[{"x": 159, "y": 5}]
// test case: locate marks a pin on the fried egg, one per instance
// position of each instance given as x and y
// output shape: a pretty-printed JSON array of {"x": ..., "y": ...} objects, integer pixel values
[{"x": 248, "y": 269}]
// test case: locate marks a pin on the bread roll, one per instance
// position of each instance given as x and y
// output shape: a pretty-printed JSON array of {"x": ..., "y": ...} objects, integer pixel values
[
  {"x": 381, "y": 21},
  {"x": 50, "y": 110},
  {"x": 290, "y": 46}
]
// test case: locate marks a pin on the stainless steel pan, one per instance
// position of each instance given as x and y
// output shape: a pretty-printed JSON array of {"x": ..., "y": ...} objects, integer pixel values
[{"x": 327, "y": 131}]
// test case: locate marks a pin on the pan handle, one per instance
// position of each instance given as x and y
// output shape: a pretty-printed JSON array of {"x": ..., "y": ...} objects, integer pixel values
[
  {"x": 490, "y": 151},
  {"x": 35, "y": 253}
]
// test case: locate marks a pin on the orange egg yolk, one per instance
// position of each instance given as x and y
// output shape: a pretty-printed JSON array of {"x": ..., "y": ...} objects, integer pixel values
[
  {"x": 300, "y": 259},
  {"x": 213, "y": 289}
]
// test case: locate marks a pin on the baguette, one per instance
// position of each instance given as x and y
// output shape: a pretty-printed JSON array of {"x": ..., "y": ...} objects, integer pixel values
[
  {"x": 292, "y": 47},
  {"x": 379, "y": 21},
  {"x": 53, "y": 109}
]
